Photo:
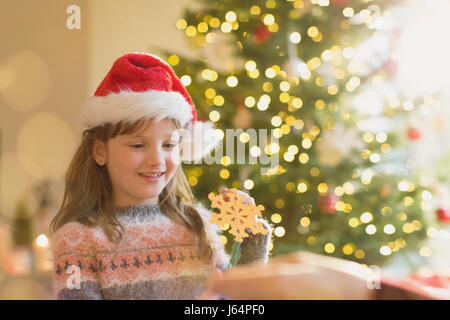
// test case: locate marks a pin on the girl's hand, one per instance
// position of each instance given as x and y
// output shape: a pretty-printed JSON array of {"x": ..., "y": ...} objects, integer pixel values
[{"x": 247, "y": 199}]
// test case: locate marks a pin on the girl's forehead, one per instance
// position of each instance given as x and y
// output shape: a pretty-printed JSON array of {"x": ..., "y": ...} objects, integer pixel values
[{"x": 164, "y": 128}]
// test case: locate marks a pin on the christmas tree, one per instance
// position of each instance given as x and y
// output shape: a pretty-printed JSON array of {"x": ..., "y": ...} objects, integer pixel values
[{"x": 313, "y": 73}]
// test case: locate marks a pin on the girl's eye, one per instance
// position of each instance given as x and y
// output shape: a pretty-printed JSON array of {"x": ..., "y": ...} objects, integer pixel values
[
  {"x": 169, "y": 145},
  {"x": 137, "y": 146}
]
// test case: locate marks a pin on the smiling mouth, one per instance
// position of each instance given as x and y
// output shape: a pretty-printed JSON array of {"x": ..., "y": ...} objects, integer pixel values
[{"x": 151, "y": 175}]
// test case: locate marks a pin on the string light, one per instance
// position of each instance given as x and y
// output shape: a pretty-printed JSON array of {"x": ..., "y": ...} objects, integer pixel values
[
  {"x": 244, "y": 137},
  {"x": 371, "y": 229},
  {"x": 214, "y": 116},
  {"x": 366, "y": 217},
  {"x": 224, "y": 174},
  {"x": 226, "y": 27},
  {"x": 42, "y": 240},
  {"x": 250, "y": 102},
  {"x": 385, "y": 251},
  {"x": 268, "y": 19},
  {"x": 191, "y": 31},
  {"x": 219, "y": 100},
  {"x": 181, "y": 24},
  {"x": 230, "y": 16},
  {"x": 255, "y": 10},
  {"x": 192, "y": 181},
  {"x": 279, "y": 231},
  {"x": 202, "y": 27},
  {"x": 276, "y": 218},
  {"x": 232, "y": 81},
  {"x": 276, "y": 121},
  {"x": 348, "y": 12},
  {"x": 305, "y": 222},
  {"x": 295, "y": 37},
  {"x": 214, "y": 22},
  {"x": 329, "y": 247},
  {"x": 186, "y": 80},
  {"x": 249, "y": 184},
  {"x": 173, "y": 60},
  {"x": 389, "y": 229},
  {"x": 250, "y": 65}
]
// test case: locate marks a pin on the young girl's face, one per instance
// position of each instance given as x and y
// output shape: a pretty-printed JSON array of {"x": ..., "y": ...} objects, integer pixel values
[{"x": 140, "y": 165}]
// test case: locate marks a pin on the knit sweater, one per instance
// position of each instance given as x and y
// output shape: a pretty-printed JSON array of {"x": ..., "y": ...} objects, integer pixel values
[{"x": 155, "y": 259}]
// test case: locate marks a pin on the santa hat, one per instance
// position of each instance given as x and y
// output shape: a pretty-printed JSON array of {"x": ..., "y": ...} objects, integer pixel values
[{"x": 143, "y": 86}]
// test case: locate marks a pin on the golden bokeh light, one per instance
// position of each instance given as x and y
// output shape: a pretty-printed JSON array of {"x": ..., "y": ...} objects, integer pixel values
[
  {"x": 24, "y": 81},
  {"x": 45, "y": 145}
]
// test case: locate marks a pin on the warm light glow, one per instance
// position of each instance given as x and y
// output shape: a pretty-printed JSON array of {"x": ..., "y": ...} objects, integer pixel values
[
  {"x": 276, "y": 218},
  {"x": 230, "y": 16},
  {"x": 248, "y": 184},
  {"x": 279, "y": 231},
  {"x": 295, "y": 37},
  {"x": 371, "y": 229},
  {"x": 268, "y": 19},
  {"x": 42, "y": 240},
  {"x": 329, "y": 248},
  {"x": 185, "y": 80},
  {"x": 232, "y": 81},
  {"x": 214, "y": 115},
  {"x": 366, "y": 217},
  {"x": 250, "y": 102}
]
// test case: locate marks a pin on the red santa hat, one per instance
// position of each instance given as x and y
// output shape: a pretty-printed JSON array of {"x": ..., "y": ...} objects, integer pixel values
[{"x": 143, "y": 86}]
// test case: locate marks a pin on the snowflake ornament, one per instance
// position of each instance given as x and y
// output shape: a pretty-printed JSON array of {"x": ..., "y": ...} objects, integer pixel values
[{"x": 241, "y": 217}]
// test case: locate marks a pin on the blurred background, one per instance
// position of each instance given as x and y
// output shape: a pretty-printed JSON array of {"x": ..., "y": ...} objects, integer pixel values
[{"x": 357, "y": 94}]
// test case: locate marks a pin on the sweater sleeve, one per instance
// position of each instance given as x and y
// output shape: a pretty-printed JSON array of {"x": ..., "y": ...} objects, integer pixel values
[
  {"x": 74, "y": 261},
  {"x": 256, "y": 246}
]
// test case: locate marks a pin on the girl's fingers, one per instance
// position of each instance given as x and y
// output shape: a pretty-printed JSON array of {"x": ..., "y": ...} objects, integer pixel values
[{"x": 247, "y": 199}]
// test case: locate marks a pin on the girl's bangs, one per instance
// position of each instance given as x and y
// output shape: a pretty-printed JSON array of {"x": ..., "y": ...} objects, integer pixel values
[{"x": 136, "y": 127}]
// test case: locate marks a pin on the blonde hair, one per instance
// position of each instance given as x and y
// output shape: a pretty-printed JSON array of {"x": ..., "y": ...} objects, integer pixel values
[{"x": 88, "y": 193}]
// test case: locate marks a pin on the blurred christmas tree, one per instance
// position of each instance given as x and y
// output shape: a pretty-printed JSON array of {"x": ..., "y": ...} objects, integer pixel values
[{"x": 314, "y": 72}]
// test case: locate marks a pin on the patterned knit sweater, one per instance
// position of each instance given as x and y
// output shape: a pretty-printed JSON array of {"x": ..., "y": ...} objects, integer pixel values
[{"x": 156, "y": 258}]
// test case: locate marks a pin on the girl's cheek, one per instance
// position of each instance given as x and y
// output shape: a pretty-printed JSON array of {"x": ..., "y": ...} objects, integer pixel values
[
  {"x": 174, "y": 157},
  {"x": 129, "y": 159}
]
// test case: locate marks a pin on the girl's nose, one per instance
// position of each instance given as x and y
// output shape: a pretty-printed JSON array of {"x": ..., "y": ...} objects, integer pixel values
[{"x": 155, "y": 156}]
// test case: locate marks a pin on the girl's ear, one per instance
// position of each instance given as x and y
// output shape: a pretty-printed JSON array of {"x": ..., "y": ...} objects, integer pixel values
[{"x": 99, "y": 152}]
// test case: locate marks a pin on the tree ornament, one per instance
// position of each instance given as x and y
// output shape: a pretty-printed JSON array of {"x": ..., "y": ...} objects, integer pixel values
[
  {"x": 335, "y": 145},
  {"x": 327, "y": 203},
  {"x": 414, "y": 133},
  {"x": 390, "y": 66},
  {"x": 385, "y": 192},
  {"x": 261, "y": 34},
  {"x": 243, "y": 118},
  {"x": 443, "y": 214}
]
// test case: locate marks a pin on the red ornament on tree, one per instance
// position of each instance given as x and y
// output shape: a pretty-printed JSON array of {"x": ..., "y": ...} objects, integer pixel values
[
  {"x": 443, "y": 214},
  {"x": 340, "y": 3},
  {"x": 414, "y": 133},
  {"x": 327, "y": 203},
  {"x": 262, "y": 34},
  {"x": 391, "y": 67}
]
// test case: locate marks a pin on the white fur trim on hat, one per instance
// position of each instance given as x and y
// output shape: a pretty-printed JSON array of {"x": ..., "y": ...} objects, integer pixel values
[
  {"x": 131, "y": 106},
  {"x": 199, "y": 139}
]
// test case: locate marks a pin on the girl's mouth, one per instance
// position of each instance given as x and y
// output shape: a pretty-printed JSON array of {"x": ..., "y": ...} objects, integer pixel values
[{"x": 152, "y": 177}]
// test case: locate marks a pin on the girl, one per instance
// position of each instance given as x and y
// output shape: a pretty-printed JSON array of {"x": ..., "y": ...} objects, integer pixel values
[{"x": 129, "y": 226}]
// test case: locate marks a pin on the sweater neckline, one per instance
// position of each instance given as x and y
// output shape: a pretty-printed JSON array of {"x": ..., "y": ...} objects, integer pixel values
[{"x": 139, "y": 210}]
